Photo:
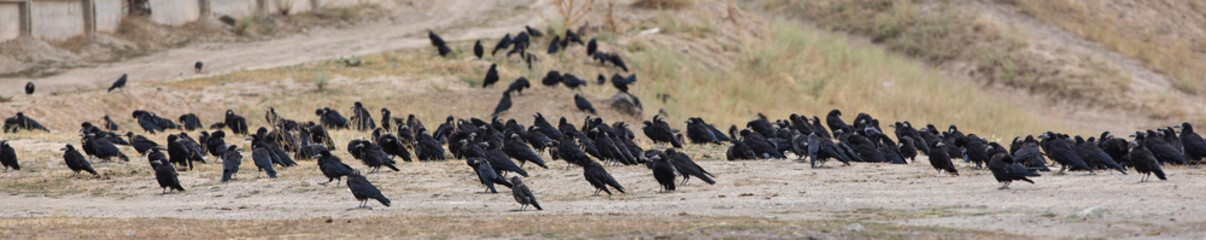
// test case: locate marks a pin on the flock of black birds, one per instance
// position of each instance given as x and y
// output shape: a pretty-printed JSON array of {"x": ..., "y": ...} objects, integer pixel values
[{"x": 491, "y": 148}]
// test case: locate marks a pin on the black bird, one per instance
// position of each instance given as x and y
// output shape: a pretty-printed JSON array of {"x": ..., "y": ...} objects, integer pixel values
[
  {"x": 515, "y": 147},
  {"x": 491, "y": 76},
  {"x": 165, "y": 174},
  {"x": 688, "y": 168},
  {"x": 76, "y": 161},
  {"x": 216, "y": 144},
  {"x": 332, "y": 167},
  {"x": 598, "y": 177},
  {"x": 571, "y": 81},
  {"x": 262, "y": 159},
  {"x": 478, "y": 50},
  {"x": 190, "y": 122},
  {"x": 504, "y": 104},
  {"x": 821, "y": 150},
  {"x": 140, "y": 143},
  {"x": 231, "y": 159},
  {"x": 179, "y": 152},
  {"x": 941, "y": 161},
  {"x": 8, "y": 156},
  {"x": 1063, "y": 152},
  {"x": 1004, "y": 169},
  {"x": 29, "y": 88},
  {"x": 700, "y": 133},
  {"x": 197, "y": 68},
  {"x": 1195, "y": 146},
  {"x": 390, "y": 144},
  {"x": 553, "y": 46},
  {"x": 363, "y": 190},
  {"x": 623, "y": 82},
  {"x": 111, "y": 126},
  {"x": 600, "y": 79},
  {"x": 439, "y": 43},
  {"x": 834, "y": 119},
  {"x": 551, "y": 79},
  {"x": 1164, "y": 151},
  {"x": 583, "y": 104},
  {"x": 121, "y": 82},
  {"x": 523, "y": 195},
  {"x": 663, "y": 171},
  {"x": 533, "y": 32},
  {"x": 570, "y": 36},
  {"x": 591, "y": 47},
  {"x": 486, "y": 174},
  {"x": 374, "y": 157},
  {"x": 1095, "y": 157},
  {"x": 660, "y": 132},
  {"x": 519, "y": 85},
  {"x": 104, "y": 148},
  {"x": 502, "y": 44},
  {"x": 1144, "y": 162},
  {"x": 236, "y": 123}
]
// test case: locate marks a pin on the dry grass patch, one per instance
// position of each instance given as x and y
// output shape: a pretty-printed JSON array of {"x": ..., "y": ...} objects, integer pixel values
[{"x": 664, "y": 4}]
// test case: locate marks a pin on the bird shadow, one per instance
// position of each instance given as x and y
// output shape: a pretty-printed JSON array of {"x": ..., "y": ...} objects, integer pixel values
[{"x": 360, "y": 208}]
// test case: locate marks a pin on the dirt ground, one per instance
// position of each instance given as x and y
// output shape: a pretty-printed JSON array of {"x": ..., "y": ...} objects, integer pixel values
[{"x": 752, "y": 199}]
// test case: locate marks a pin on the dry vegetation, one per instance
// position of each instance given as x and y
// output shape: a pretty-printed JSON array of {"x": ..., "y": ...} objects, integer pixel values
[
  {"x": 1164, "y": 35},
  {"x": 664, "y": 4}
]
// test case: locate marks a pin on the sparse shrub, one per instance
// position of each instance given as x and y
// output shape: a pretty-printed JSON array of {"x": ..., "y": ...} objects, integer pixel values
[{"x": 321, "y": 80}]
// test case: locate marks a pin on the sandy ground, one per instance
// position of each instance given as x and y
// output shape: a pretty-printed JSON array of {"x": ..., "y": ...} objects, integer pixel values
[{"x": 911, "y": 195}]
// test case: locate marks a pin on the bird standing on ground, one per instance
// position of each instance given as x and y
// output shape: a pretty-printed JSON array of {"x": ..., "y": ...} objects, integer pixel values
[
  {"x": 29, "y": 88},
  {"x": 197, "y": 68},
  {"x": 523, "y": 195},
  {"x": 1004, "y": 169},
  {"x": 231, "y": 159},
  {"x": 8, "y": 156},
  {"x": 583, "y": 104},
  {"x": 76, "y": 161},
  {"x": 165, "y": 174},
  {"x": 1144, "y": 162},
  {"x": 439, "y": 43},
  {"x": 121, "y": 82},
  {"x": 363, "y": 190},
  {"x": 478, "y": 50},
  {"x": 503, "y": 104},
  {"x": 491, "y": 76}
]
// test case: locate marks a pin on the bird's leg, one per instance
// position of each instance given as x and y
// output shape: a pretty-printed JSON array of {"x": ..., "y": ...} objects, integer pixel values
[
  {"x": 522, "y": 163},
  {"x": 597, "y": 192}
]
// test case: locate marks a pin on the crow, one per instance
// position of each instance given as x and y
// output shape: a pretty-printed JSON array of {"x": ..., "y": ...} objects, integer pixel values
[
  {"x": 374, "y": 157},
  {"x": 571, "y": 81},
  {"x": 478, "y": 50},
  {"x": 29, "y": 88},
  {"x": 1195, "y": 146},
  {"x": 76, "y": 161},
  {"x": 660, "y": 132},
  {"x": 683, "y": 164},
  {"x": 907, "y": 148},
  {"x": 216, "y": 143},
  {"x": 502, "y": 44},
  {"x": 262, "y": 158},
  {"x": 491, "y": 76},
  {"x": 598, "y": 177},
  {"x": 363, "y": 190},
  {"x": 523, "y": 195},
  {"x": 21, "y": 121},
  {"x": 821, "y": 150},
  {"x": 141, "y": 143},
  {"x": 1004, "y": 169},
  {"x": 236, "y": 123},
  {"x": 1028, "y": 154},
  {"x": 439, "y": 43},
  {"x": 519, "y": 85},
  {"x": 231, "y": 159},
  {"x": 486, "y": 174},
  {"x": 663, "y": 171},
  {"x": 591, "y": 47},
  {"x": 570, "y": 36},
  {"x": 516, "y": 148},
  {"x": 533, "y": 32},
  {"x": 1063, "y": 152},
  {"x": 179, "y": 151},
  {"x": 111, "y": 126},
  {"x": 197, "y": 68},
  {"x": 1094, "y": 156},
  {"x": 504, "y": 104},
  {"x": 8, "y": 156},
  {"x": 362, "y": 120},
  {"x": 551, "y": 79},
  {"x": 941, "y": 161},
  {"x": 331, "y": 118},
  {"x": 700, "y": 133},
  {"x": 622, "y": 83},
  {"x": 834, "y": 119},
  {"x": 190, "y": 122},
  {"x": 1164, "y": 151},
  {"x": 583, "y": 104},
  {"x": 165, "y": 174},
  {"x": 121, "y": 82},
  {"x": 1144, "y": 162},
  {"x": 104, "y": 148},
  {"x": 390, "y": 144},
  {"x": 553, "y": 46},
  {"x": 332, "y": 167}
]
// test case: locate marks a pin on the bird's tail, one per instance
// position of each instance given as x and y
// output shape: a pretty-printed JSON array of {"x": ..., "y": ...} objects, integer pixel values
[
  {"x": 178, "y": 187},
  {"x": 271, "y": 172},
  {"x": 706, "y": 179},
  {"x": 612, "y": 182},
  {"x": 503, "y": 182},
  {"x": 381, "y": 198},
  {"x": 537, "y": 205},
  {"x": 93, "y": 172},
  {"x": 540, "y": 162},
  {"x": 1027, "y": 180},
  {"x": 226, "y": 174},
  {"x": 123, "y": 157},
  {"x": 1159, "y": 173},
  {"x": 675, "y": 143},
  {"x": 392, "y": 167}
]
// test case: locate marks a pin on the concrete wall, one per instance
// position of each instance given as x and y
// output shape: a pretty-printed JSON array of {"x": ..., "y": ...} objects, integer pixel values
[
  {"x": 175, "y": 12},
  {"x": 108, "y": 15},
  {"x": 57, "y": 19},
  {"x": 234, "y": 8},
  {"x": 10, "y": 21}
]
